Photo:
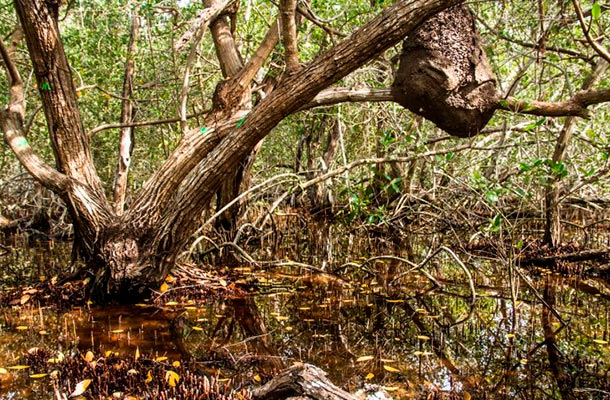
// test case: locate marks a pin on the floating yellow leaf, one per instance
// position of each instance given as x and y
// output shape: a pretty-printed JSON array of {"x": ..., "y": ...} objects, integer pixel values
[
  {"x": 169, "y": 279},
  {"x": 304, "y": 308},
  {"x": 58, "y": 359},
  {"x": 418, "y": 353},
  {"x": 24, "y": 299},
  {"x": 223, "y": 283},
  {"x": 137, "y": 356},
  {"x": 510, "y": 335},
  {"x": 197, "y": 328},
  {"x": 118, "y": 331},
  {"x": 390, "y": 388},
  {"x": 395, "y": 300},
  {"x": 89, "y": 356},
  {"x": 523, "y": 361},
  {"x": 81, "y": 387},
  {"x": 3, "y": 370},
  {"x": 21, "y": 328},
  {"x": 257, "y": 378},
  {"x": 364, "y": 358},
  {"x": 18, "y": 367},
  {"x": 423, "y": 337},
  {"x": 370, "y": 375},
  {"x": 390, "y": 369},
  {"x": 160, "y": 359},
  {"x": 148, "y": 377},
  {"x": 171, "y": 303},
  {"x": 176, "y": 363},
  {"x": 163, "y": 287},
  {"x": 109, "y": 353},
  {"x": 387, "y": 360},
  {"x": 600, "y": 341},
  {"x": 38, "y": 376},
  {"x": 172, "y": 378},
  {"x": 43, "y": 332}
]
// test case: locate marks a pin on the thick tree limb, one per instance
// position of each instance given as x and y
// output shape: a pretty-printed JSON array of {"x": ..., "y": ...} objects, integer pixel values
[
  {"x": 336, "y": 95},
  {"x": 272, "y": 37},
  {"x": 226, "y": 50},
  {"x": 11, "y": 121},
  {"x": 57, "y": 92},
  {"x": 201, "y": 21},
  {"x": 575, "y": 106},
  {"x": 293, "y": 92},
  {"x": 304, "y": 380},
  {"x": 289, "y": 34}
]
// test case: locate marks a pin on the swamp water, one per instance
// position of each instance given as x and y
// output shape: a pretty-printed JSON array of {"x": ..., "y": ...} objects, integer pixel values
[{"x": 486, "y": 332}]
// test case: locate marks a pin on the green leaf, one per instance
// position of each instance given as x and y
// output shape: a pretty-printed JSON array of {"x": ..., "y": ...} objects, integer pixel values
[
  {"x": 491, "y": 196},
  {"x": 596, "y": 11},
  {"x": 534, "y": 124}
]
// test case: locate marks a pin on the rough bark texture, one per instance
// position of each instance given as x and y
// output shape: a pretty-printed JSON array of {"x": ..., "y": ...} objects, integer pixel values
[
  {"x": 304, "y": 380},
  {"x": 444, "y": 74},
  {"x": 130, "y": 252}
]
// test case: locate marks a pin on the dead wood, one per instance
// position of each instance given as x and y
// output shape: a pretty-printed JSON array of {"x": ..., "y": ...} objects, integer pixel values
[{"x": 304, "y": 381}]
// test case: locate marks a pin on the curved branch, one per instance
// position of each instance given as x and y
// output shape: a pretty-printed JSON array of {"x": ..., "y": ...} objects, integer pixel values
[
  {"x": 11, "y": 121},
  {"x": 602, "y": 51},
  {"x": 201, "y": 21},
  {"x": 575, "y": 106}
]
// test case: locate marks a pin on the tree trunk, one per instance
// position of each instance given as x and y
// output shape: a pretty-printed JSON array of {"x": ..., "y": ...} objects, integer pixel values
[
  {"x": 552, "y": 229},
  {"x": 134, "y": 251}
]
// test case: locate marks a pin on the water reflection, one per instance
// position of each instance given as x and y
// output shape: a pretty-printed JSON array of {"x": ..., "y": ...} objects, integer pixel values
[{"x": 543, "y": 336}]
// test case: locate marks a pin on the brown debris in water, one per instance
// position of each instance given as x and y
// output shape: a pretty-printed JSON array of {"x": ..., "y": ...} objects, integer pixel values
[{"x": 141, "y": 378}]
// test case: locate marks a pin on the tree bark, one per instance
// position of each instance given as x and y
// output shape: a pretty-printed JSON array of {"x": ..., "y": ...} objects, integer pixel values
[
  {"x": 304, "y": 380},
  {"x": 552, "y": 229},
  {"x": 131, "y": 252},
  {"x": 126, "y": 140}
]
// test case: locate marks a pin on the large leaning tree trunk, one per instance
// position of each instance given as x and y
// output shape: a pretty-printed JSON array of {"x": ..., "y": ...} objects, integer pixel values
[{"x": 135, "y": 250}]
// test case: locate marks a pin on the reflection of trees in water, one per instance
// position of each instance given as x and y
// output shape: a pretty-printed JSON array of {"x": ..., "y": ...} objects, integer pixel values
[{"x": 410, "y": 326}]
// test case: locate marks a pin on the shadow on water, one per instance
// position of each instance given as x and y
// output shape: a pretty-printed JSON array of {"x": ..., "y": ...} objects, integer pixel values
[{"x": 414, "y": 330}]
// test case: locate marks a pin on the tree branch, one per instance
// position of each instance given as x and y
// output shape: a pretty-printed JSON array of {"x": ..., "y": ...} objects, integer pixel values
[
  {"x": 126, "y": 138},
  {"x": 292, "y": 93},
  {"x": 11, "y": 121},
  {"x": 201, "y": 21},
  {"x": 336, "y": 95},
  {"x": 575, "y": 106},
  {"x": 272, "y": 37},
  {"x": 289, "y": 34},
  {"x": 599, "y": 49}
]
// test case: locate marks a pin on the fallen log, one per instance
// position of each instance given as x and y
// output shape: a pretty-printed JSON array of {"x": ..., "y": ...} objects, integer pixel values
[
  {"x": 303, "y": 381},
  {"x": 583, "y": 255}
]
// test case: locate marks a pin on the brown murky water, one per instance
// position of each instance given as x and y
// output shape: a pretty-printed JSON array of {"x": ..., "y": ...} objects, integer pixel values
[{"x": 499, "y": 333}]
